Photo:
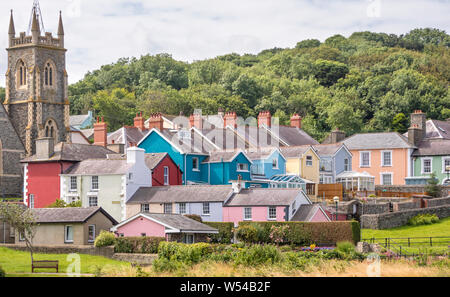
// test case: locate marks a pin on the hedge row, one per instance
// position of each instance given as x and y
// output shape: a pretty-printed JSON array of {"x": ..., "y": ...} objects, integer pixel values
[
  {"x": 299, "y": 233},
  {"x": 225, "y": 235},
  {"x": 137, "y": 245}
]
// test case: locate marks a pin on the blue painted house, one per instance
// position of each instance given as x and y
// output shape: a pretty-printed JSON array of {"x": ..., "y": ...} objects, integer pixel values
[
  {"x": 267, "y": 163},
  {"x": 222, "y": 167},
  {"x": 334, "y": 160}
]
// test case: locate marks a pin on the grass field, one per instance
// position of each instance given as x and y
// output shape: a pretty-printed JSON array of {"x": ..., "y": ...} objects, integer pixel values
[{"x": 18, "y": 262}]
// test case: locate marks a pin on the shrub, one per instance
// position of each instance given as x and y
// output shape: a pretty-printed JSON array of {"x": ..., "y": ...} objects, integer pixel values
[
  {"x": 194, "y": 217},
  {"x": 185, "y": 253},
  {"x": 345, "y": 247},
  {"x": 225, "y": 235},
  {"x": 423, "y": 219},
  {"x": 258, "y": 255},
  {"x": 247, "y": 233},
  {"x": 105, "y": 239},
  {"x": 138, "y": 245},
  {"x": 2, "y": 272},
  {"x": 163, "y": 264}
]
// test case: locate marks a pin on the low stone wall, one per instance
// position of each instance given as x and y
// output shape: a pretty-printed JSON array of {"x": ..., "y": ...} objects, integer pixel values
[
  {"x": 401, "y": 206},
  {"x": 400, "y": 218},
  {"x": 139, "y": 259},
  {"x": 438, "y": 202},
  {"x": 445, "y": 190},
  {"x": 374, "y": 208},
  {"x": 107, "y": 252}
]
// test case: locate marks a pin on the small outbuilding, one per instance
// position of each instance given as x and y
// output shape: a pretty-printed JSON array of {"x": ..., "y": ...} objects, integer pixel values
[{"x": 174, "y": 227}]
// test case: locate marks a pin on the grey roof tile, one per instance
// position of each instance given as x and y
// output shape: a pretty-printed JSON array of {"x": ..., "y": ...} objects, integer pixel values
[
  {"x": 181, "y": 222},
  {"x": 264, "y": 197},
  {"x": 387, "y": 140},
  {"x": 67, "y": 215}
]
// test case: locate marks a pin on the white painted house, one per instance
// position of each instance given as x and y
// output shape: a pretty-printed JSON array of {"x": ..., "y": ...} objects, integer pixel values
[{"x": 107, "y": 183}]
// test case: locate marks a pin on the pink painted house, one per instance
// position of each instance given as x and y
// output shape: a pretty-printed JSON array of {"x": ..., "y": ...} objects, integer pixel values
[
  {"x": 173, "y": 227},
  {"x": 278, "y": 205}
]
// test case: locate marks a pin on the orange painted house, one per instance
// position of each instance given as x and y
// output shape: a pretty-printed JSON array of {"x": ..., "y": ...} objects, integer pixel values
[{"x": 386, "y": 156}]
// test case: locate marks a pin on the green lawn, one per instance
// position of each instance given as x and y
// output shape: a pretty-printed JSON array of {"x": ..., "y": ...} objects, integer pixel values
[
  {"x": 439, "y": 229},
  {"x": 20, "y": 262}
]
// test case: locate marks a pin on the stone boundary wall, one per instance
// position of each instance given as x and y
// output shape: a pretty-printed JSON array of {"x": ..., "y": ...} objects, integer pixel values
[
  {"x": 140, "y": 259},
  {"x": 375, "y": 208},
  {"x": 107, "y": 252},
  {"x": 445, "y": 190},
  {"x": 401, "y": 206},
  {"x": 400, "y": 218},
  {"x": 438, "y": 202}
]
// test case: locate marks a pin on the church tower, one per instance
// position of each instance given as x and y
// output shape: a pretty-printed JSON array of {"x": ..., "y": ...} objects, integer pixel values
[{"x": 36, "y": 83}]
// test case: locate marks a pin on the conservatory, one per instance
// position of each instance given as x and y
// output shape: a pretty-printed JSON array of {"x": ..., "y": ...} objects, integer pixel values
[
  {"x": 288, "y": 181},
  {"x": 356, "y": 181}
]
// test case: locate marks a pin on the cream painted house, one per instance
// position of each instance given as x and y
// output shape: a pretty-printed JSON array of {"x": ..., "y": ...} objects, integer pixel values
[
  {"x": 304, "y": 162},
  {"x": 107, "y": 183}
]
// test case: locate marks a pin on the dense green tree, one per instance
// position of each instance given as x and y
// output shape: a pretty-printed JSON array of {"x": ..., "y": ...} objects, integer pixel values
[
  {"x": 400, "y": 123},
  {"x": 309, "y": 43},
  {"x": 329, "y": 72}
]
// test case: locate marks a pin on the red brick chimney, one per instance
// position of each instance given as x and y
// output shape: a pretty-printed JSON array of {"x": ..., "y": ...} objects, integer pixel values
[
  {"x": 139, "y": 122},
  {"x": 265, "y": 118},
  {"x": 230, "y": 119},
  {"x": 196, "y": 121},
  {"x": 296, "y": 121},
  {"x": 156, "y": 121},
  {"x": 100, "y": 132}
]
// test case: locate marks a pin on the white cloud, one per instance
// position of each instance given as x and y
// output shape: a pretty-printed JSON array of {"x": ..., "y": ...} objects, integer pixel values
[{"x": 101, "y": 31}]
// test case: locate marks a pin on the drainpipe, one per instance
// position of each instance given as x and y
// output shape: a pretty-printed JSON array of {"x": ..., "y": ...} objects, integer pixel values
[{"x": 185, "y": 171}]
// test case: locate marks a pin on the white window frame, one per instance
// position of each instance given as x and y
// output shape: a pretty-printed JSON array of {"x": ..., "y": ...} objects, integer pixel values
[
  {"x": 382, "y": 159},
  {"x": 89, "y": 201},
  {"x": 206, "y": 205},
  {"x": 31, "y": 201},
  {"x": 382, "y": 180},
  {"x": 166, "y": 206},
  {"x": 238, "y": 169},
  {"x": 443, "y": 164},
  {"x": 145, "y": 208},
  {"x": 93, "y": 182},
  {"x": 245, "y": 214},
  {"x": 73, "y": 180},
  {"x": 182, "y": 206},
  {"x": 197, "y": 168},
  {"x": 186, "y": 235},
  {"x": 89, "y": 227},
  {"x": 269, "y": 217},
  {"x": 361, "y": 165},
  {"x": 309, "y": 161},
  {"x": 166, "y": 175},
  {"x": 423, "y": 165},
  {"x": 66, "y": 233},
  {"x": 346, "y": 165}
]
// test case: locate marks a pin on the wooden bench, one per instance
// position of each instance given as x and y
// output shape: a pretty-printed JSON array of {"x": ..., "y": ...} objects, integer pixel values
[{"x": 44, "y": 264}]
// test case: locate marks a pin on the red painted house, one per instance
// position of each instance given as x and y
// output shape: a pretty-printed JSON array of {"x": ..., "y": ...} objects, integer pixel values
[
  {"x": 42, "y": 170},
  {"x": 165, "y": 172}
]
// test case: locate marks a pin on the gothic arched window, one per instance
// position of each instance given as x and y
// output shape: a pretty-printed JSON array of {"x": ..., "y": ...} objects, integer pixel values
[
  {"x": 51, "y": 130},
  {"x": 21, "y": 74},
  {"x": 49, "y": 74}
]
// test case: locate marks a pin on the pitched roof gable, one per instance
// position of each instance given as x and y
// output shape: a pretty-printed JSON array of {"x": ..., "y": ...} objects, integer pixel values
[{"x": 385, "y": 140}]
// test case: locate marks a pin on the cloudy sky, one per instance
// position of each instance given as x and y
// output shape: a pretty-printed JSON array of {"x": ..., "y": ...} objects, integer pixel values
[{"x": 101, "y": 31}]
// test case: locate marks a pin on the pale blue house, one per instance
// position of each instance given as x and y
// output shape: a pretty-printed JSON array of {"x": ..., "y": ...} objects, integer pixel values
[{"x": 334, "y": 160}]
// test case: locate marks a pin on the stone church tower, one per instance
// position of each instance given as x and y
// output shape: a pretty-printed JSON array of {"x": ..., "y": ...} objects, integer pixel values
[{"x": 36, "y": 83}]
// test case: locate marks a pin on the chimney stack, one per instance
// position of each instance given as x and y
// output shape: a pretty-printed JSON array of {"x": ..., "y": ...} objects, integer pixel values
[
  {"x": 419, "y": 120},
  {"x": 156, "y": 122},
  {"x": 100, "y": 132},
  {"x": 265, "y": 118},
  {"x": 139, "y": 121},
  {"x": 135, "y": 155},
  {"x": 238, "y": 185},
  {"x": 415, "y": 135},
  {"x": 196, "y": 121},
  {"x": 45, "y": 148},
  {"x": 296, "y": 121},
  {"x": 230, "y": 119}
]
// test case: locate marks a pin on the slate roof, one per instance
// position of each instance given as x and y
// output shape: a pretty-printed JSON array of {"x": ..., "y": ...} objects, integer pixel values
[
  {"x": 74, "y": 152},
  {"x": 172, "y": 194},
  {"x": 442, "y": 129},
  {"x": 77, "y": 120},
  {"x": 264, "y": 197},
  {"x": 88, "y": 133},
  {"x": 258, "y": 137},
  {"x": 294, "y": 136},
  {"x": 126, "y": 135},
  {"x": 305, "y": 213},
  {"x": 189, "y": 141},
  {"x": 67, "y": 215},
  {"x": 225, "y": 139},
  {"x": 216, "y": 157},
  {"x": 260, "y": 154},
  {"x": 433, "y": 147},
  {"x": 325, "y": 150},
  {"x": 152, "y": 160},
  {"x": 387, "y": 140},
  {"x": 99, "y": 167},
  {"x": 294, "y": 151},
  {"x": 181, "y": 222}
]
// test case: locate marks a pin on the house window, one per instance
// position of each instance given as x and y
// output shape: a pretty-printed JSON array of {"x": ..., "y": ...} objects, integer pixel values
[
  {"x": 364, "y": 159},
  {"x": 242, "y": 167},
  {"x": 248, "y": 213},
  {"x": 427, "y": 166},
  {"x": 272, "y": 213},
  {"x": 309, "y": 161},
  {"x": 386, "y": 179},
  {"x": 168, "y": 208},
  {"x": 346, "y": 165},
  {"x": 182, "y": 208},
  {"x": 68, "y": 234},
  {"x": 166, "y": 176},
  {"x": 31, "y": 202},
  {"x": 73, "y": 184},
  {"x": 93, "y": 201},
  {"x": 386, "y": 158},
  {"x": 145, "y": 208},
  {"x": 94, "y": 183},
  {"x": 91, "y": 233},
  {"x": 445, "y": 165},
  {"x": 188, "y": 238},
  {"x": 195, "y": 164},
  {"x": 275, "y": 163},
  {"x": 206, "y": 209}
]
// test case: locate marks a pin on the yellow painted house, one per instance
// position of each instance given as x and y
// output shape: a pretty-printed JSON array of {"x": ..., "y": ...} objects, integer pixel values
[{"x": 304, "y": 162}]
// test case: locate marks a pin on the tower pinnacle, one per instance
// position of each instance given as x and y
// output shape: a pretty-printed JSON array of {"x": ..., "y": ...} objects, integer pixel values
[{"x": 12, "y": 30}]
